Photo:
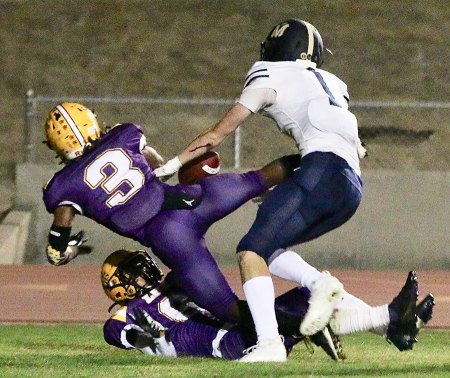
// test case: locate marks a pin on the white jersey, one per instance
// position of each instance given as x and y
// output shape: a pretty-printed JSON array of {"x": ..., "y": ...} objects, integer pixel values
[{"x": 310, "y": 106}]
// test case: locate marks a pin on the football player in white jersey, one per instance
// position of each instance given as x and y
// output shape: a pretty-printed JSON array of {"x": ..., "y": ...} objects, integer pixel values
[{"x": 311, "y": 106}]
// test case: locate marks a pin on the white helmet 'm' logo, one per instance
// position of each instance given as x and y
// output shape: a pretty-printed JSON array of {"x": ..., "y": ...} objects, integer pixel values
[{"x": 279, "y": 30}]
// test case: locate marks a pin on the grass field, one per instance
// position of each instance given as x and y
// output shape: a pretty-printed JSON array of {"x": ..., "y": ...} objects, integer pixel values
[{"x": 79, "y": 351}]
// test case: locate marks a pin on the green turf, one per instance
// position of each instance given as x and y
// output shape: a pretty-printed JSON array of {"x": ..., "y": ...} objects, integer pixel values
[{"x": 79, "y": 351}]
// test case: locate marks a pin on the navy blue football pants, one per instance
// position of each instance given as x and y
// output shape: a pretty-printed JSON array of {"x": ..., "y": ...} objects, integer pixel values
[{"x": 320, "y": 196}]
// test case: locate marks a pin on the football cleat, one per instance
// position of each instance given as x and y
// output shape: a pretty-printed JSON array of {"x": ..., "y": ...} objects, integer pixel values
[
  {"x": 266, "y": 350},
  {"x": 424, "y": 310},
  {"x": 326, "y": 292},
  {"x": 402, "y": 329},
  {"x": 329, "y": 342}
]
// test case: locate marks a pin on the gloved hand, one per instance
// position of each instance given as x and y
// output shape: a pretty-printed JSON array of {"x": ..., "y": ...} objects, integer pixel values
[
  {"x": 78, "y": 241},
  {"x": 169, "y": 169},
  {"x": 150, "y": 326},
  {"x": 361, "y": 149},
  {"x": 56, "y": 257}
]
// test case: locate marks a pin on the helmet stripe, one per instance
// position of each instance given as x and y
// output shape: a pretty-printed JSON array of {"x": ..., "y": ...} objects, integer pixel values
[
  {"x": 310, "y": 29},
  {"x": 72, "y": 124}
]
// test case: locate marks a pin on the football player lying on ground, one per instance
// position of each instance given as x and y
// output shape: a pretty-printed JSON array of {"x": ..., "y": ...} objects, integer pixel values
[{"x": 157, "y": 318}]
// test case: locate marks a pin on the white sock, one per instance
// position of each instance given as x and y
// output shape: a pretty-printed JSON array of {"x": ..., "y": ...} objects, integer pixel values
[
  {"x": 260, "y": 295},
  {"x": 350, "y": 301},
  {"x": 290, "y": 266},
  {"x": 360, "y": 319}
]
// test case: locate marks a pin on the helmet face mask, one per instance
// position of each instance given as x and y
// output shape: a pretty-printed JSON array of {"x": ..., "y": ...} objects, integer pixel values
[
  {"x": 293, "y": 40},
  {"x": 70, "y": 128},
  {"x": 129, "y": 274}
]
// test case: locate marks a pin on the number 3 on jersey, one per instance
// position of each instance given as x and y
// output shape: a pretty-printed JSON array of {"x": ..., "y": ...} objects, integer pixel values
[{"x": 114, "y": 173}]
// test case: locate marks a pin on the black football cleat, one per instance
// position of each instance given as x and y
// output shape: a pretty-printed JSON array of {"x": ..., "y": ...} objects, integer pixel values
[
  {"x": 424, "y": 310},
  {"x": 402, "y": 329},
  {"x": 329, "y": 342}
]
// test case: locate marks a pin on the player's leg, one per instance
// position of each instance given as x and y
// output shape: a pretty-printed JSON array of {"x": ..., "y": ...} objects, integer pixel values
[
  {"x": 286, "y": 216},
  {"x": 260, "y": 295},
  {"x": 224, "y": 193},
  {"x": 257, "y": 283},
  {"x": 184, "y": 251}
]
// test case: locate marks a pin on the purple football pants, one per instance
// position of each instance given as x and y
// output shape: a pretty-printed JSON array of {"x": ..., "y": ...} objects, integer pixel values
[{"x": 177, "y": 238}]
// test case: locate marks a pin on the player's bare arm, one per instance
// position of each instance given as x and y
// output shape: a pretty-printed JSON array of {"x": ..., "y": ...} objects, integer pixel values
[
  {"x": 215, "y": 135},
  {"x": 154, "y": 159},
  {"x": 63, "y": 216},
  {"x": 207, "y": 140}
]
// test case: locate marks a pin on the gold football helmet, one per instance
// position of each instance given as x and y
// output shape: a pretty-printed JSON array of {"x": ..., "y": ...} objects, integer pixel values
[
  {"x": 69, "y": 128},
  {"x": 129, "y": 274}
]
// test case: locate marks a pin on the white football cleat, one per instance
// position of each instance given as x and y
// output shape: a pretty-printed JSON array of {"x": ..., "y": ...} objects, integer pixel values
[
  {"x": 326, "y": 292},
  {"x": 266, "y": 350}
]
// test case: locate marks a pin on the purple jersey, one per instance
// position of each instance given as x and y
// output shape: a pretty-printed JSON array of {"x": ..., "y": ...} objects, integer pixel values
[
  {"x": 190, "y": 330},
  {"x": 111, "y": 184}
]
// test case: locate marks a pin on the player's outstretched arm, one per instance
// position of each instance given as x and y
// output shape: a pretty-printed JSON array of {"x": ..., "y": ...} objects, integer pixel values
[
  {"x": 154, "y": 159},
  {"x": 60, "y": 243},
  {"x": 209, "y": 139}
]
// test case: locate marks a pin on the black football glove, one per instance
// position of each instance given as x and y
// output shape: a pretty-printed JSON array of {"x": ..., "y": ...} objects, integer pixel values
[{"x": 78, "y": 241}]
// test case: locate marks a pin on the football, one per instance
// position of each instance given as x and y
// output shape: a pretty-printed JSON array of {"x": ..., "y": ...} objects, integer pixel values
[{"x": 206, "y": 165}]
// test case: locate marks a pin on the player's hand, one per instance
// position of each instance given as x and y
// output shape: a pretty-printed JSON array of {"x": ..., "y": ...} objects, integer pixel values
[
  {"x": 57, "y": 258},
  {"x": 168, "y": 169},
  {"x": 361, "y": 149},
  {"x": 75, "y": 247},
  {"x": 143, "y": 320},
  {"x": 79, "y": 240}
]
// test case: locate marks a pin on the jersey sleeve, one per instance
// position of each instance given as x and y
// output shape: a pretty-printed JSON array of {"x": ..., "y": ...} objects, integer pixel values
[
  {"x": 258, "y": 76},
  {"x": 54, "y": 198},
  {"x": 259, "y": 91},
  {"x": 115, "y": 328},
  {"x": 256, "y": 99},
  {"x": 112, "y": 332}
]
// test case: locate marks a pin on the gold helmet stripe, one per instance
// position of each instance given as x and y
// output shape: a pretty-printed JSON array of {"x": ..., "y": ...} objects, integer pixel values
[
  {"x": 72, "y": 124},
  {"x": 310, "y": 29}
]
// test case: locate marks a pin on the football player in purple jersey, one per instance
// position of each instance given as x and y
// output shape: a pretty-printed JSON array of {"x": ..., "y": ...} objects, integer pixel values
[
  {"x": 158, "y": 318},
  {"x": 108, "y": 177}
]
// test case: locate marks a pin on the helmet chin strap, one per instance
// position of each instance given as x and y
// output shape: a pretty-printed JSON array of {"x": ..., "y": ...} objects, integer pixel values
[{"x": 310, "y": 29}]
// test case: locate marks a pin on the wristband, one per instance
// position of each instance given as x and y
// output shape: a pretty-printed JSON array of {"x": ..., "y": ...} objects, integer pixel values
[{"x": 58, "y": 237}]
